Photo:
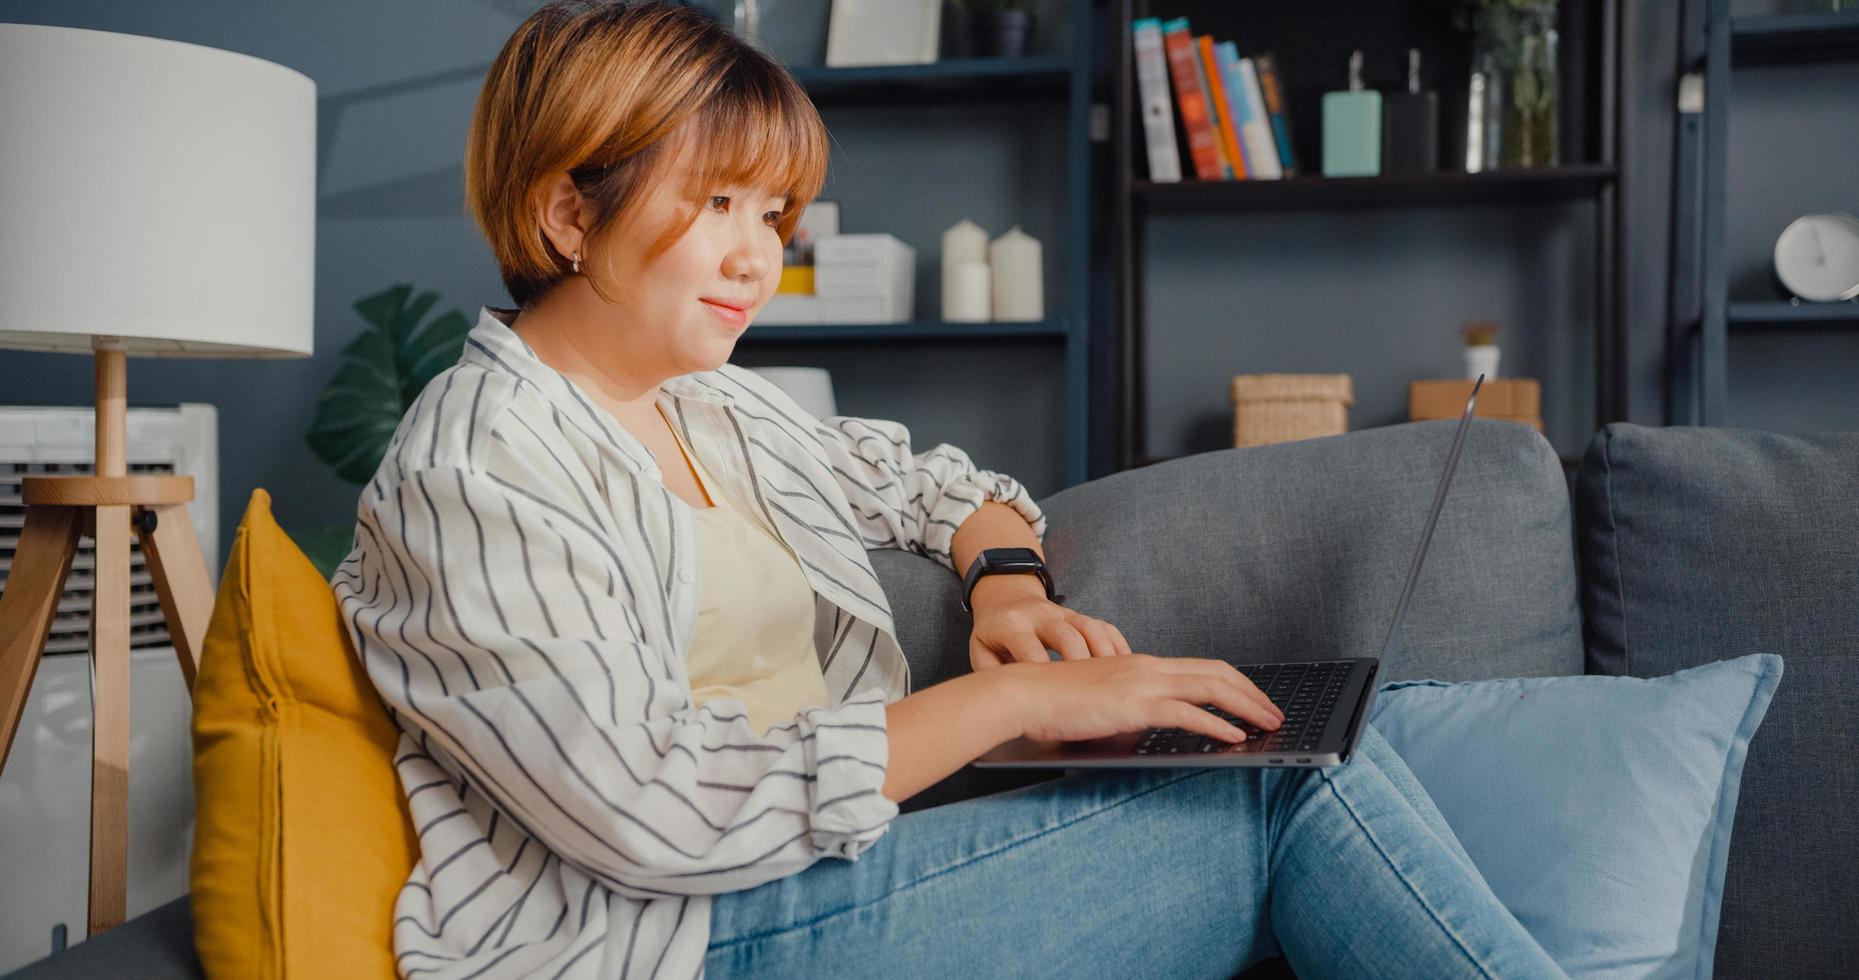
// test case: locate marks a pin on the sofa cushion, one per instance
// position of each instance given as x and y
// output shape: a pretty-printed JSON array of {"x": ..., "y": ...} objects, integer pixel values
[
  {"x": 301, "y": 835},
  {"x": 1702, "y": 543},
  {"x": 1599, "y": 809}
]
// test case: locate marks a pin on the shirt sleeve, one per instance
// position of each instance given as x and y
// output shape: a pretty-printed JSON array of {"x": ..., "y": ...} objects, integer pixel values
[
  {"x": 909, "y": 500},
  {"x": 501, "y": 624}
]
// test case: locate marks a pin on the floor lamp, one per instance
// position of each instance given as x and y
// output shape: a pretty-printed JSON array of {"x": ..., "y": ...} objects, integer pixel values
[{"x": 156, "y": 199}]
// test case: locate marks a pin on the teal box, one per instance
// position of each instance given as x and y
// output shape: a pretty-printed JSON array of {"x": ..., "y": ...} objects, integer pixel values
[{"x": 1352, "y": 134}]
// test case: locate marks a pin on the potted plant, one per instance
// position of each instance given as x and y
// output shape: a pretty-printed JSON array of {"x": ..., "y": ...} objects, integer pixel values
[
  {"x": 1481, "y": 349},
  {"x": 998, "y": 28},
  {"x": 383, "y": 369}
]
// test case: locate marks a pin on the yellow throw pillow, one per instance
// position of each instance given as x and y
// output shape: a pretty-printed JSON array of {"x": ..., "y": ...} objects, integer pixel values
[{"x": 301, "y": 834}]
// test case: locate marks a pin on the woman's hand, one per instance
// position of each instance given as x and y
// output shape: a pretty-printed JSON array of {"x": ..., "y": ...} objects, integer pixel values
[
  {"x": 1015, "y": 621},
  {"x": 1100, "y": 697}
]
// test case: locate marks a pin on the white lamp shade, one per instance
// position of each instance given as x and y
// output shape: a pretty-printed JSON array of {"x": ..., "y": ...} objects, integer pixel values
[{"x": 159, "y": 193}]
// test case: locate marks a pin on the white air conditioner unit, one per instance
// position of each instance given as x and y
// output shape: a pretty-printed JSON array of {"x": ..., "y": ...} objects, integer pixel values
[{"x": 45, "y": 788}]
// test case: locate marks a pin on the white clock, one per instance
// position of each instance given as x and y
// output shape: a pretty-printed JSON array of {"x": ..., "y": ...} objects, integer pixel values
[{"x": 1817, "y": 257}]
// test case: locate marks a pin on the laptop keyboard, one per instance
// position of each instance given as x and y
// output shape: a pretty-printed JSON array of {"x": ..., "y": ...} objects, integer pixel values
[{"x": 1305, "y": 692}]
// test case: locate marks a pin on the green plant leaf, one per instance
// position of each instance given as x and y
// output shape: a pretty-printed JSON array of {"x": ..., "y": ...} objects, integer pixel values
[
  {"x": 383, "y": 370},
  {"x": 327, "y": 546}
]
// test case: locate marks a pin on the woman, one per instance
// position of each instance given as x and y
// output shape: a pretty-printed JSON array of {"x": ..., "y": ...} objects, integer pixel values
[{"x": 615, "y": 593}]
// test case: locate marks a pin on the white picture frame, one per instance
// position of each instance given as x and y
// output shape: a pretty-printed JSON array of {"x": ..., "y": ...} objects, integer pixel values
[{"x": 883, "y": 32}]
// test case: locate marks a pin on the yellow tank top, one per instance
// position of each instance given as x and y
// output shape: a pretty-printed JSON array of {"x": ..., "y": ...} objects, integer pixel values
[{"x": 753, "y": 641}]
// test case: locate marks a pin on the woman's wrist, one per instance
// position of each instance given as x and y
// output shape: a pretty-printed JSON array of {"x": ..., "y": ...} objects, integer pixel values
[
  {"x": 992, "y": 589},
  {"x": 1008, "y": 689}
]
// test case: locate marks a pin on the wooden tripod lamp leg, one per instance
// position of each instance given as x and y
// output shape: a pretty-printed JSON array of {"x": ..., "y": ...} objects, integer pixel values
[
  {"x": 109, "y": 646},
  {"x": 109, "y": 772},
  {"x": 174, "y": 560},
  {"x": 40, "y": 565}
]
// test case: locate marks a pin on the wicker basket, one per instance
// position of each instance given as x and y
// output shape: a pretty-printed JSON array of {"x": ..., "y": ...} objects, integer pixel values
[{"x": 1283, "y": 407}]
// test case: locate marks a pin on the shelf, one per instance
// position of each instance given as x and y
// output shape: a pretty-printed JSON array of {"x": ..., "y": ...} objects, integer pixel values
[
  {"x": 1786, "y": 38},
  {"x": 1760, "y": 314},
  {"x": 917, "y": 330},
  {"x": 954, "y": 80},
  {"x": 1571, "y": 182}
]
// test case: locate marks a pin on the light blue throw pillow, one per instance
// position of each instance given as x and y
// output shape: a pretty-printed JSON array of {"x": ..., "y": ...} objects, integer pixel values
[{"x": 1598, "y": 808}]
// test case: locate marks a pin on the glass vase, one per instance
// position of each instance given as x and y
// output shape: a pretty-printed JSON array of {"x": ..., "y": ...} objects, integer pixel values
[{"x": 1517, "y": 44}]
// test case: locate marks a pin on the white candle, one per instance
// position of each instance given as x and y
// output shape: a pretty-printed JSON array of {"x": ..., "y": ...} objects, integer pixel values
[
  {"x": 965, "y": 241},
  {"x": 966, "y": 294},
  {"x": 1019, "y": 289}
]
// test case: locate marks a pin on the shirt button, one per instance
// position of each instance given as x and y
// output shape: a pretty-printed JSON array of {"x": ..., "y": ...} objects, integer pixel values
[{"x": 686, "y": 575}]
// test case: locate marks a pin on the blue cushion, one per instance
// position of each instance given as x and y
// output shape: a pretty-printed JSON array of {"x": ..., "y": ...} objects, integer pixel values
[{"x": 1599, "y": 808}]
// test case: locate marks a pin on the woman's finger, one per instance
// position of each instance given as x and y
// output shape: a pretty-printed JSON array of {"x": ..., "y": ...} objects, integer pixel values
[
  {"x": 1065, "y": 638},
  {"x": 1098, "y": 635},
  {"x": 1191, "y": 718},
  {"x": 1123, "y": 645},
  {"x": 1027, "y": 649},
  {"x": 1221, "y": 693}
]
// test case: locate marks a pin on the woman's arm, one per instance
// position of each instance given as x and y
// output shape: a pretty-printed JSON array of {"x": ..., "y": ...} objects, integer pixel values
[{"x": 944, "y": 727}]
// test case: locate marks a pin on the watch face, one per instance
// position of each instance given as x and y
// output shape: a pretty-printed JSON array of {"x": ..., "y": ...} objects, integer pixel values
[
  {"x": 1007, "y": 557},
  {"x": 1817, "y": 257}
]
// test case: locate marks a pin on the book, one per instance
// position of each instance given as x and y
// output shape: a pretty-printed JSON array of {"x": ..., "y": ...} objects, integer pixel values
[
  {"x": 1226, "y": 54},
  {"x": 1213, "y": 121},
  {"x": 1191, "y": 99},
  {"x": 1271, "y": 87},
  {"x": 1157, "y": 109},
  {"x": 1222, "y": 111},
  {"x": 1258, "y": 131}
]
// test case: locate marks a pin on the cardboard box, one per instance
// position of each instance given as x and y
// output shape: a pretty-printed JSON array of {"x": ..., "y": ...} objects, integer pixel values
[{"x": 1510, "y": 399}]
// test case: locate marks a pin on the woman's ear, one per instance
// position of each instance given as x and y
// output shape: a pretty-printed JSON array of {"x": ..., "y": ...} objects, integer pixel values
[{"x": 560, "y": 211}]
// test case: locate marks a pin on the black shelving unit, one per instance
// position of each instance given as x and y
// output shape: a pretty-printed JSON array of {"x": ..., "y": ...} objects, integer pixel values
[
  {"x": 1702, "y": 312},
  {"x": 1063, "y": 79},
  {"x": 1303, "y": 34}
]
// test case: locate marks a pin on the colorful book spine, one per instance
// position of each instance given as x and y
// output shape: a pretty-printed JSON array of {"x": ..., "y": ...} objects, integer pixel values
[
  {"x": 1222, "y": 112},
  {"x": 1158, "y": 111},
  {"x": 1226, "y": 56},
  {"x": 1271, "y": 86},
  {"x": 1258, "y": 132},
  {"x": 1191, "y": 99}
]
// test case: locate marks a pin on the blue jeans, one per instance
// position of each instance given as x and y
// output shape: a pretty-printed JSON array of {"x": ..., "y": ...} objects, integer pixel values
[{"x": 1348, "y": 872}]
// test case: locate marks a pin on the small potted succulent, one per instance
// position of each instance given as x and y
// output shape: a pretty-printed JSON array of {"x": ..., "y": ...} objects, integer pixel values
[
  {"x": 1481, "y": 349},
  {"x": 998, "y": 28}
]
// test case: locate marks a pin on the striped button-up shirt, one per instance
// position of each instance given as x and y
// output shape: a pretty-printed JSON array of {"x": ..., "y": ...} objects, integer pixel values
[{"x": 522, "y": 593}]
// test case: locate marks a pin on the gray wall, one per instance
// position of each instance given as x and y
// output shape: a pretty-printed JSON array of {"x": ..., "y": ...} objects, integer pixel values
[{"x": 1352, "y": 291}]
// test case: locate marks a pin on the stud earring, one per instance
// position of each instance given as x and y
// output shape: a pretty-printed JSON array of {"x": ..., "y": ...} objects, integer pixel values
[{"x": 577, "y": 262}]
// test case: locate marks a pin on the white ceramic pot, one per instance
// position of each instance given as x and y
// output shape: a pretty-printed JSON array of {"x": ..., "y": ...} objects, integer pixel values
[{"x": 1481, "y": 359}]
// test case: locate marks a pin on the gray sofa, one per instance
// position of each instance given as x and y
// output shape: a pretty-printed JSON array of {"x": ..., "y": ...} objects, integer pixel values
[{"x": 1683, "y": 546}]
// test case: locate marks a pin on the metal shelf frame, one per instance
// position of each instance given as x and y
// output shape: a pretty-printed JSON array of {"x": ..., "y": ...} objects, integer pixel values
[{"x": 1713, "y": 44}]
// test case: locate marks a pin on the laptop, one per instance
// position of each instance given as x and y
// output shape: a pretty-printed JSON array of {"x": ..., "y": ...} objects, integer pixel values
[{"x": 1326, "y": 702}]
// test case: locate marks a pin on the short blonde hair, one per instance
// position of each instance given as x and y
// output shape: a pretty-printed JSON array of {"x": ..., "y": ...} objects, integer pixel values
[{"x": 612, "y": 93}]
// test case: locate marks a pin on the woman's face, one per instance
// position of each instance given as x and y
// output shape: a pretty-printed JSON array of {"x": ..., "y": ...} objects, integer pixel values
[{"x": 691, "y": 302}]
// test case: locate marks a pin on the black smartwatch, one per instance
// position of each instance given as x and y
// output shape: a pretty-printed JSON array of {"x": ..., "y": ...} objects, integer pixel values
[{"x": 1006, "y": 561}]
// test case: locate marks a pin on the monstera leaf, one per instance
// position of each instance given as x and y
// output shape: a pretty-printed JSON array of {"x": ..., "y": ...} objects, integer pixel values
[{"x": 383, "y": 370}]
